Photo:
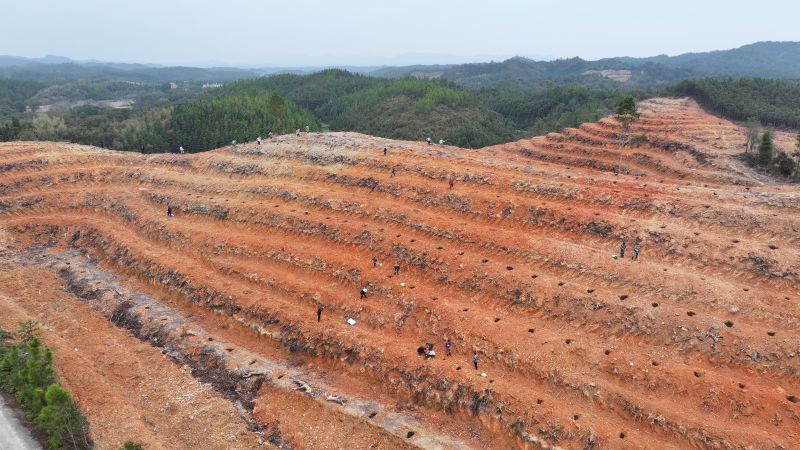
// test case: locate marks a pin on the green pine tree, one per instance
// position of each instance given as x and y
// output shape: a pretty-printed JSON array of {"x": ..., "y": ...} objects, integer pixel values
[
  {"x": 626, "y": 113},
  {"x": 765, "y": 149},
  {"x": 62, "y": 420}
]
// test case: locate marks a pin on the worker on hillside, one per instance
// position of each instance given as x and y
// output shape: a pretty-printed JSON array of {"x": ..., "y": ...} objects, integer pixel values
[
  {"x": 169, "y": 212},
  {"x": 451, "y": 181},
  {"x": 269, "y": 135},
  {"x": 180, "y": 149},
  {"x": 442, "y": 141},
  {"x": 258, "y": 140},
  {"x": 428, "y": 140},
  {"x": 363, "y": 293},
  {"x": 307, "y": 129},
  {"x": 636, "y": 249},
  {"x": 385, "y": 150},
  {"x": 448, "y": 345},
  {"x": 397, "y": 268},
  {"x": 394, "y": 171},
  {"x": 622, "y": 249},
  {"x": 297, "y": 132},
  {"x": 319, "y": 312},
  {"x": 475, "y": 359},
  {"x": 374, "y": 262}
]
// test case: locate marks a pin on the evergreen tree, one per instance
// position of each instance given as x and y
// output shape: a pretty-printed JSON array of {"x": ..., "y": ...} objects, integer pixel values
[
  {"x": 62, "y": 420},
  {"x": 626, "y": 113},
  {"x": 785, "y": 164},
  {"x": 765, "y": 149},
  {"x": 28, "y": 331}
]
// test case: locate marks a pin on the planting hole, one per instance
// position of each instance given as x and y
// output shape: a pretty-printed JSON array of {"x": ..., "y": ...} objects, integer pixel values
[
  {"x": 509, "y": 268},
  {"x": 690, "y": 313},
  {"x": 560, "y": 283},
  {"x": 792, "y": 398},
  {"x": 773, "y": 247},
  {"x": 745, "y": 289},
  {"x": 770, "y": 333},
  {"x": 537, "y": 276},
  {"x": 465, "y": 309},
  {"x": 729, "y": 324},
  {"x": 735, "y": 241},
  {"x": 531, "y": 330},
  {"x": 460, "y": 253},
  {"x": 539, "y": 401},
  {"x": 576, "y": 417},
  {"x": 439, "y": 247},
  {"x": 372, "y": 415},
  {"x": 590, "y": 290},
  {"x": 413, "y": 240},
  {"x": 496, "y": 319},
  {"x": 654, "y": 363},
  {"x": 410, "y": 434},
  {"x": 741, "y": 385},
  {"x": 697, "y": 374},
  {"x": 654, "y": 305},
  {"x": 622, "y": 435},
  {"x": 568, "y": 341},
  {"x": 210, "y": 339},
  {"x": 607, "y": 352},
  {"x": 623, "y": 296},
  {"x": 458, "y": 368},
  {"x": 484, "y": 261}
]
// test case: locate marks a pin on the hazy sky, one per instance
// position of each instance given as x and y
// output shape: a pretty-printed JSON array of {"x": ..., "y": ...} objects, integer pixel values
[{"x": 324, "y": 32}]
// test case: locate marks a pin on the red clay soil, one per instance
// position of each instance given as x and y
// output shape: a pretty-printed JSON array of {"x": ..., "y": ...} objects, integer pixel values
[{"x": 200, "y": 330}]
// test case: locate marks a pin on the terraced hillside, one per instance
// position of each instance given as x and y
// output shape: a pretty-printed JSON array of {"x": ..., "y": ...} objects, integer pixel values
[{"x": 200, "y": 330}]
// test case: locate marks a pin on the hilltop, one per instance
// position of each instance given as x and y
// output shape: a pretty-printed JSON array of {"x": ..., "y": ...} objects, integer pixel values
[{"x": 201, "y": 330}]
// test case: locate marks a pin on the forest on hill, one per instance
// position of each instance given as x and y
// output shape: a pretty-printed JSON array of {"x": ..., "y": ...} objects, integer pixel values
[
  {"x": 772, "y": 102},
  {"x": 405, "y": 108},
  {"x": 470, "y": 105},
  {"x": 761, "y": 59}
]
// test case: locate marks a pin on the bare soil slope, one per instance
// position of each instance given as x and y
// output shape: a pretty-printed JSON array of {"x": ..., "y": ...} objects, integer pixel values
[{"x": 200, "y": 330}]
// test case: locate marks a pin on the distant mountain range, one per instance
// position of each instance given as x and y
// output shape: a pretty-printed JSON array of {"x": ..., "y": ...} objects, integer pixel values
[{"x": 762, "y": 59}]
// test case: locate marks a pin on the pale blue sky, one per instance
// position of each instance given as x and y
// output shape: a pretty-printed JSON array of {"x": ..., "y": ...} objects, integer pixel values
[{"x": 326, "y": 32}]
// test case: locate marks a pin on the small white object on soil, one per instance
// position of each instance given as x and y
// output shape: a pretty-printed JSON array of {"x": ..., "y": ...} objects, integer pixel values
[{"x": 351, "y": 321}]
